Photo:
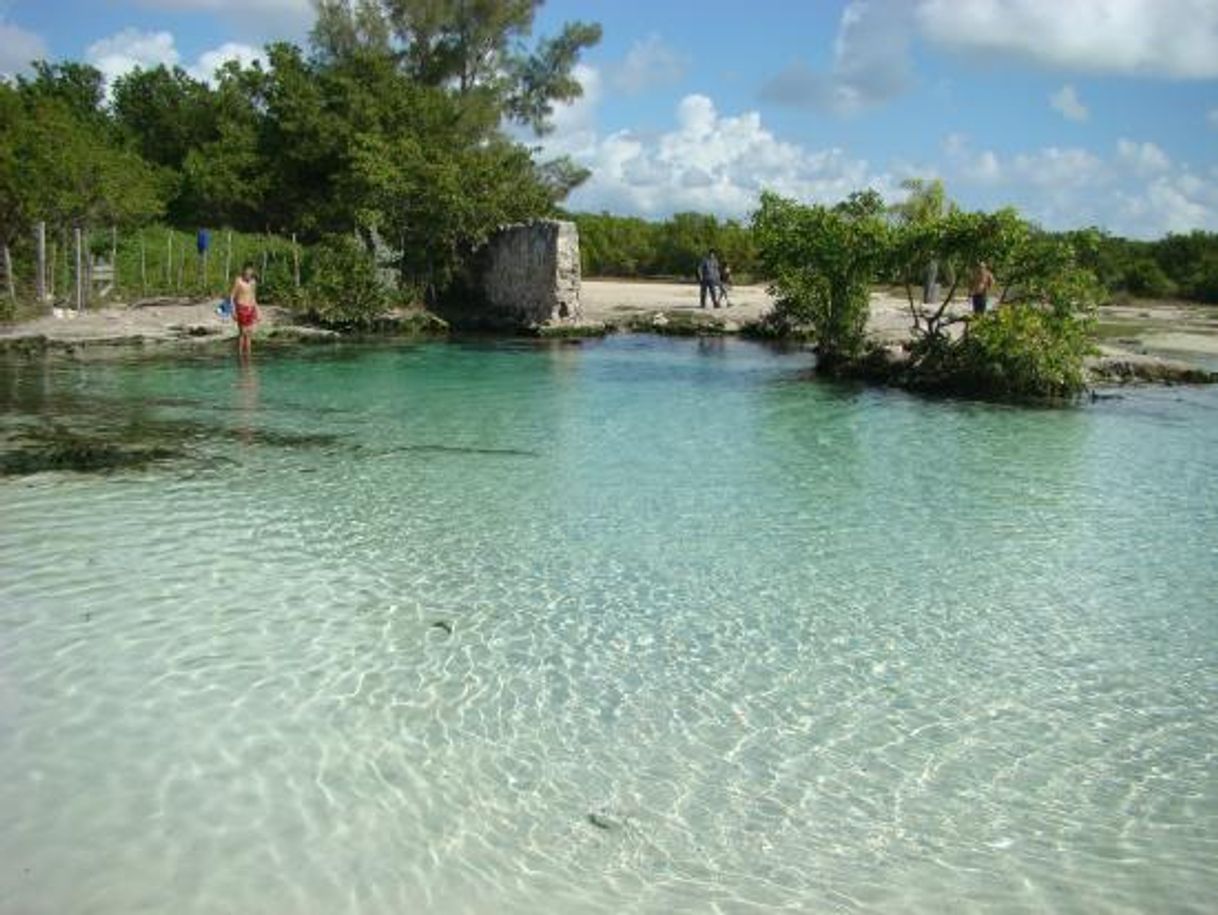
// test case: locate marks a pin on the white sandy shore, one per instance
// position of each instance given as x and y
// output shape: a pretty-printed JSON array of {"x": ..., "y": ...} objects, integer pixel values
[{"x": 1179, "y": 330}]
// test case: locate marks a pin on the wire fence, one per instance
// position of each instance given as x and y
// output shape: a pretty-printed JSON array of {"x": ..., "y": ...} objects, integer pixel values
[{"x": 85, "y": 268}]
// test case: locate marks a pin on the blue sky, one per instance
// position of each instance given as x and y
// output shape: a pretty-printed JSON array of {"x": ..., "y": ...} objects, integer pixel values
[{"x": 1077, "y": 111}]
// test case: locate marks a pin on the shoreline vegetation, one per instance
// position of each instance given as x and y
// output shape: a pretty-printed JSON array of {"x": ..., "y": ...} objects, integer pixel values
[{"x": 1149, "y": 341}]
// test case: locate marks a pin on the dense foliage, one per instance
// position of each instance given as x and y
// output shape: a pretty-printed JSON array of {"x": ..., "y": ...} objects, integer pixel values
[
  {"x": 393, "y": 124},
  {"x": 624, "y": 246},
  {"x": 823, "y": 261}
]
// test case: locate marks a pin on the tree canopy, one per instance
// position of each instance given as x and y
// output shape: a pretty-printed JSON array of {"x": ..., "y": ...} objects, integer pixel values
[{"x": 391, "y": 123}]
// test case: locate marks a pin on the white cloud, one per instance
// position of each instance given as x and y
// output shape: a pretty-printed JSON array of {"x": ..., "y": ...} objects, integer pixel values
[
  {"x": 706, "y": 161},
  {"x": 131, "y": 48},
  {"x": 1066, "y": 102},
  {"x": 982, "y": 167},
  {"x": 1143, "y": 158},
  {"x": 871, "y": 62},
  {"x": 648, "y": 64},
  {"x": 210, "y": 61},
  {"x": 713, "y": 162},
  {"x": 1058, "y": 169},
  {"x": 18, "y": 48},
  {"x": 1136, "y": 191},
  {"x": 1211, "y": 117},
  {"x": 1174, "y": 38}
]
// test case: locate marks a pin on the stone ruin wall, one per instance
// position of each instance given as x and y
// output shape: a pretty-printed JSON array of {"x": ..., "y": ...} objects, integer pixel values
[{"x": 529, "y": 274}]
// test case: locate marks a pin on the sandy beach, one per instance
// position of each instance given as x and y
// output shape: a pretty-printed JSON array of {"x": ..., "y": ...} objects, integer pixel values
[{"x": 1141, "y": 329}]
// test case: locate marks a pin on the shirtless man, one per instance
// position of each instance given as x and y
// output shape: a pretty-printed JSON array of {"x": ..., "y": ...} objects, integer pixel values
[
  {"x": 245, "y": 305},
  {"x": 980, "y": 286}
]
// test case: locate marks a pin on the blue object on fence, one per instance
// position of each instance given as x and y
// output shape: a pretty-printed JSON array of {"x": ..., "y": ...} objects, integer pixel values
[
  {"x": 225, "y": 308},
  {"x": 203, "y": 240}
]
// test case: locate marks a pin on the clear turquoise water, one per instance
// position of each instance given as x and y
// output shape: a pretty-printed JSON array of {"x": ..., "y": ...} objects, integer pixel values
[{"x": 722, "y": 639}]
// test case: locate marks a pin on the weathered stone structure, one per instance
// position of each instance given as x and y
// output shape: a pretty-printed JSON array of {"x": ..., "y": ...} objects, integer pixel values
[{"x": 526, "y": 276}]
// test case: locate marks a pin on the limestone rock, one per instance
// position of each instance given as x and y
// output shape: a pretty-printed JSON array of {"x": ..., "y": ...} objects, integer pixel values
[{"x": 527, "y": 275}]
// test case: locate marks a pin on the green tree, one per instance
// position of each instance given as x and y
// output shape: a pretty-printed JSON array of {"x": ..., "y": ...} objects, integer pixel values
[
  {"x": 475, "y": 47},
  {"x": 822, "y": 261}
]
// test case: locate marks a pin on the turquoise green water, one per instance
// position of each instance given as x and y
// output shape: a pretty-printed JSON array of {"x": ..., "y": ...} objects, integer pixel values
[{"x": 716, "y": 638}]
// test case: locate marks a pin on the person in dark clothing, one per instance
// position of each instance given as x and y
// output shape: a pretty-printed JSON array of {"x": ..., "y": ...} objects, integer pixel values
[{"x": 708, "y": 279}]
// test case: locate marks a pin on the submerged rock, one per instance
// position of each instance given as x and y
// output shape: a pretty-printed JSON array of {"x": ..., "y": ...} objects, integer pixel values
[
  {"x": 1129, "y": 368},
  {"x": 60, "y": 450}
]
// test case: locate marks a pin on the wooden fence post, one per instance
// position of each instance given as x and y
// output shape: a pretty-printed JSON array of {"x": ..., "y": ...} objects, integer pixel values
[
  {"x": 114, "y": 260},
  {"x": 228, "y": 261},
  {"x": 40, "y": 275},
  {"x": 295, "y": 262},
  {"x": 8, "y": 274},
  {"x": 169, "y": 262},
  {"x": 79, "y": 271},
  {"x": 143, "y": 267}
]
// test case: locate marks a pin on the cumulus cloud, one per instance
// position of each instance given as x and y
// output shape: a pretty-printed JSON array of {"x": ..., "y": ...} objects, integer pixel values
[
  {"x": 210, "y": 61},
  {"x": 1136, "y": 190},
  {"x": 18, "y": 48},
  {"x": 131, "y": 48},
  {"x": 871, "y": 63},
  {"x": 872, "y": 59},
  {"x": 706, "y": 161},
  {"x": 1143, "y": 158},
  {"x": 1173, "y": 38},
  {"x": 649, "y": 64},
  {"x": 1066, "y": 102}
]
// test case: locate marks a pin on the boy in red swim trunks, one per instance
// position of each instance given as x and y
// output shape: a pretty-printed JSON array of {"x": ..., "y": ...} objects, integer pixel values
[{"x": 245, "y": 308}]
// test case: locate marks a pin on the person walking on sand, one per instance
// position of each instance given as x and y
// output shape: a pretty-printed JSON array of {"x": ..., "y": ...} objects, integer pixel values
[
  {"x": 245, "y": 308},
  {"x": 708, "y": 279},
  {"x": 979, "y": 287},
  {"x": 725, "y": 282}
]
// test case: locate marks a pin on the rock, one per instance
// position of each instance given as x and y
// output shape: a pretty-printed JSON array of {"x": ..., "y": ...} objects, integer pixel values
[
  {"x": 1132, "y": 368},
  {"x": 563, "y": 330},
  {"x": 602, "y": 821},
  {"x": 527, "y": 275}
]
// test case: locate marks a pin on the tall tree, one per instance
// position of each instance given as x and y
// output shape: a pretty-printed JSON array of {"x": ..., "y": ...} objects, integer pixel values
[{"x": 476, "y": 48}]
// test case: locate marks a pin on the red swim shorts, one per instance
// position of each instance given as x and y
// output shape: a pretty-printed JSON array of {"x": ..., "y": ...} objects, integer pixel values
[{"x": 246, "y": 315}]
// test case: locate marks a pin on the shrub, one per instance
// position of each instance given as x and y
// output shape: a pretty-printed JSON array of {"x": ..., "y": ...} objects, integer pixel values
[
  {"x": 823, "y": 260},
  {"x": 340, "y": 287},
  {"x": 1021, "y": 351},
  {"x": 1146, "y": 278}
]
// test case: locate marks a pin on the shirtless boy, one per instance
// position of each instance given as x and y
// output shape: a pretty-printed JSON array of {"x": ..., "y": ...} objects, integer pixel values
[
  {"x": 979, "y": 288},
  {"x": 245, "y": 305}
]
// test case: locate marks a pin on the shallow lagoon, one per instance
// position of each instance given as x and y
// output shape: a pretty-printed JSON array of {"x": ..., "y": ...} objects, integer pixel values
[{"x": 641, "y": 625}]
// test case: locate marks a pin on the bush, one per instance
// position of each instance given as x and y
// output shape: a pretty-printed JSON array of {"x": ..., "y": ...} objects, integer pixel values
[
  {"x": 1146, "y": 278},
  {"x": 823, "y": 260},
  {"x": 1015, "y": 352},
  {"x": 340, "y": 287}
]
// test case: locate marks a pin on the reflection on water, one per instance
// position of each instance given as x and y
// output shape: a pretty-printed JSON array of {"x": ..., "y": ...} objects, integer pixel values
[{"x": 641, "y": 625}]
